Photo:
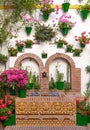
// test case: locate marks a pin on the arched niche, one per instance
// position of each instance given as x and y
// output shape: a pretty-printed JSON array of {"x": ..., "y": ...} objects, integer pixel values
[
  {"x": 34, "y": 57},
  {"x": 75, "y": 73}
]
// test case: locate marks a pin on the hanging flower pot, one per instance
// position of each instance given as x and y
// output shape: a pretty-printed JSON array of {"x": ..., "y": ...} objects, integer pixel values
[
  {"x": 28, "y": 30},
  {"x": 64, "y": 31},
  {"x": 82, "y": 45},
  {"x": 77, "y": 51},
  {"x": 28, "y": 43},
  {"x": 60, "y": 45},
  {"x": 84, "y": 14},
  {"x": 46, "y": 16},
  {"x": 20, "y": 48},
  {"x": 69, "y": 48},
  {"x": 65, "y": 6},
  {"x": 44, "y": 55},
  {"x": 22, "y": 93}
]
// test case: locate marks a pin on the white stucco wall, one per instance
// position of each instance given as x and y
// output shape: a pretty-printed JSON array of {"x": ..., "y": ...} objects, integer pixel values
[{"x": 50, "y": 49}]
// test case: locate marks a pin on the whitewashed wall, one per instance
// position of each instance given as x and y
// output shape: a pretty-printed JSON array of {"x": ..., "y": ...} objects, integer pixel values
[{"x": 80, "y": 62}]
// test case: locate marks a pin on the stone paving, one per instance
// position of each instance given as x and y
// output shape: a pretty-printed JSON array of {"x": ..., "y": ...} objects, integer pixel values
[{"x": 45, "y": 128}]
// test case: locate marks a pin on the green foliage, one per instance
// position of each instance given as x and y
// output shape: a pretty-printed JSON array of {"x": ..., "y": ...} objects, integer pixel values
[
  {"x": 4, "y": 111},
  {"x": 87, "y": 92},
  {"x": 77, "y": 51},
  {"x": 48, "y": 7},
  {"x": 52, "y": 83},
  {"x": 66, "y": 87},
  {"x": 65, "y": 25},
  {"x": 60, "y": 41},
  {"x": 21, "y": 6},
  {"x": 28, "y": 41},
  {"x": 12, "y": 51},
  {"x": 82, "y": 107},
  {"x": 88, "y": 69},
  {"x": 4, "y": 31},
  {"x": 2, "y": 93},
  {"x": 84, "y": 7},
  {"x": 3, "y": 58},
  {"x": 59, "y": 76},
  {"x": 36, "y": 82},
  {"x": 31, "y": 77},
  {"x": 44, "y": 33}
]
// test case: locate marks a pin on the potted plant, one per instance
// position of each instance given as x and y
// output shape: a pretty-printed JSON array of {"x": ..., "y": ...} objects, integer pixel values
[
  {"x": 3, "y": 58},
  {"x": 44, "y": 54},
  {"x": 29, "y": 22},
  {"x": 81, "y": 115},
  {"x": 7, "y": 111},
  {"x": 28, "y": 43},
  {"x": 83, "y": 39},
  {"x": 66, "y": 5},
  {"x": 46, "y": 8},
  {"x": 16, "y": 80},
  {"x": 36, "y": 82},
  {"x": 30, "y": 80},
  {"x": 77, "y": 51},
  {"x": 69, "y": 48},
  {"x": 60, "y": 42},
  {"x": 66, "y": 86},
  {"x": 59, "y": 79},
  {"x": 84, "y": 10},
  {"x": 12, "y": 51},
  {"x": 65, "y": 24},
  {"x": 44, "y": 33},
  {"x": 20, "y": 45},
  {"x": 52, "y": 83}
]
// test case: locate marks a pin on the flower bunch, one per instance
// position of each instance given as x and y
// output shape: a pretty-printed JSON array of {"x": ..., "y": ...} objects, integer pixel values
[
  {"x": 65, "y": 22},
  {"x": 82, "y": 106},
  {"x": 16, "y": 78},
  {"x": 29, "y": 21},
  {"x": 20, "y": 43},
  {"x": 46, "y": 7},
  {"x": 7, "y": 107},
  {"x": 84, "y": 38}
]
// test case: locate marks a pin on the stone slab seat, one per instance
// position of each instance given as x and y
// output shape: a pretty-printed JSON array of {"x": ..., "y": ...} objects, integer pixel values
[{"x": 45, "y": 128}]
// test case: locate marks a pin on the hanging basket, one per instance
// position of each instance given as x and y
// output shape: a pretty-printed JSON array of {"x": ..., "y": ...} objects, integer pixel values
[
  {"x": 28, "y": 30},
  {"x": 64, "y": 31},
  {"x": 84, "y": 14},
  {"x": 20, "y": 48},
  {"x": 65, "y": 7},
  {"x": 82, "y": 45},
  {"x": 22, "y": 93},
  {"x": 44, "y": 55},
  {"x": 69, "y": 49},
  {"x": 28, "y": 45},
  {"x": 46, "y": 16},
  {"x": 60, "y": 45},
  {"x": 81, "y": 120}
]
